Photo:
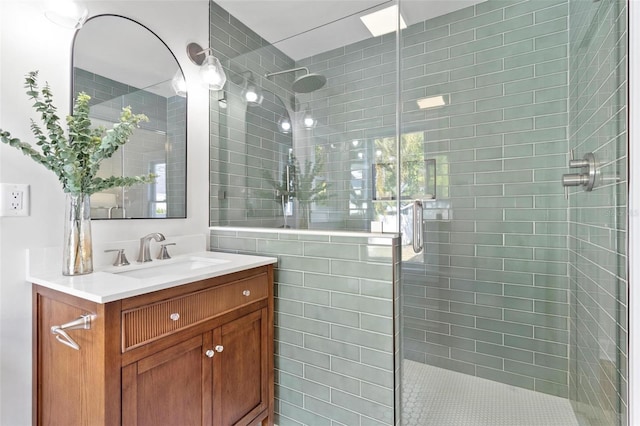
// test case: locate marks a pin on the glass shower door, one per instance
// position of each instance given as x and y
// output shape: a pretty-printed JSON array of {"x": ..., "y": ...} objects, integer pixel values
[
  {"x": 520, "y": 290},
  {"x": 597, "y": 219}
]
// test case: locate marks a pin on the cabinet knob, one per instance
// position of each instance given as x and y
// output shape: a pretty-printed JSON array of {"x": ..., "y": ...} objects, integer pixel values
[
  {"x": 210, "y": 353},
  {"x": 219, "y": 348},
  {"x": 175, "y": 316},
  {"x": 246, "y": 293}
]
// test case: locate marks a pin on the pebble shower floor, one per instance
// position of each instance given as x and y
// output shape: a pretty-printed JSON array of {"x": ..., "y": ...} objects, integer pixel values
[{"x": 434, "y": 396}]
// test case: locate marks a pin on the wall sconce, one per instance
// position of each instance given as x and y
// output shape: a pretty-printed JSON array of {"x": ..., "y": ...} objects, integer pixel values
[
  {"x": 250, "y": 92},
  {"x": 179, "y": 85},
  {"x": 211, "y": 70},
  {"x": 66, "y": 13},
  {"x": 284, "y": 124}
]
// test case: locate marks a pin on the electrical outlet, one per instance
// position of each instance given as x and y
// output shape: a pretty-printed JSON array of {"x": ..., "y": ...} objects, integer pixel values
[{"x": 14, "y": 199}]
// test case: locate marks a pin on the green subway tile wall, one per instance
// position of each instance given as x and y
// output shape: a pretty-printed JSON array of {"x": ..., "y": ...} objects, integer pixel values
[
  {"x": 354, "y": 111},
  {"x": 177, "y": 157},
  {"x": 503, "y": 138},
  {"x": 489, "y": 296},
  {"x": 247, "y": 151},
  {"x": 334, "y": 328},
  {"x": 597, "y": 220}
]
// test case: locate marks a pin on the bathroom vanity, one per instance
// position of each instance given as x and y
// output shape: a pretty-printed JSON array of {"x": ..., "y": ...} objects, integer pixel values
[{"x": 172, "y": 347}]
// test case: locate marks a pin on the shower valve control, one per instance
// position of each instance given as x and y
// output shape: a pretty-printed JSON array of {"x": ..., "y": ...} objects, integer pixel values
[{"x": 586, "y": 177}]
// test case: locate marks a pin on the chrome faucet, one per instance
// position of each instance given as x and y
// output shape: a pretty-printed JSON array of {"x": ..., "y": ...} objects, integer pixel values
[
  {"x": 144, "y": 255},
  {"x": 111, "y": 209}
]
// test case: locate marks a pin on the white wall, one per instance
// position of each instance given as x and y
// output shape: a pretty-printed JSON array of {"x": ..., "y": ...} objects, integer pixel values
[{"x": 28, "y": 41}]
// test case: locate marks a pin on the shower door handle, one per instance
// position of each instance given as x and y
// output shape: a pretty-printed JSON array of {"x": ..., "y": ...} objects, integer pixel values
[{"x": 418, "y": 244}]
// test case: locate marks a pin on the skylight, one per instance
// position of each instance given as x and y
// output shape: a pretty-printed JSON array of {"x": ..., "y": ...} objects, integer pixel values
[{"x": 383, "y": 21}]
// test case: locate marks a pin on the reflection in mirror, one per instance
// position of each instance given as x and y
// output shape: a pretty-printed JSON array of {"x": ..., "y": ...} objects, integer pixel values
[
  {"x": 270, "y": 198},
  {"x": 119, "y": 63},
  {"x": 257, "y": 193}
]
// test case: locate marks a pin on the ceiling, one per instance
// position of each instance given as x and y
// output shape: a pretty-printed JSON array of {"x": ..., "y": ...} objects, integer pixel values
[
  {"x": 299, "y": 28},
  {"x": 303, "y": 28}
]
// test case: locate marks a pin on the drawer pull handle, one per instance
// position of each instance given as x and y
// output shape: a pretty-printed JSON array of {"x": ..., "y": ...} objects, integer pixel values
[
  {"x": 175, "y": 316},
  {"x": 219, "y": 348},
  {"x": 210, "y": 353},
  {"x": 246, "y": 293}
]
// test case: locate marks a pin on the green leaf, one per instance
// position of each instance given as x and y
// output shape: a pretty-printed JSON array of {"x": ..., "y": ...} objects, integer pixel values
[{"x": 75, "y": 158}]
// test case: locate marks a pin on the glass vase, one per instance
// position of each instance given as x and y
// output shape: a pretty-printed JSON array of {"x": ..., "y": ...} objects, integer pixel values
[{"x": 77, "y": 253}]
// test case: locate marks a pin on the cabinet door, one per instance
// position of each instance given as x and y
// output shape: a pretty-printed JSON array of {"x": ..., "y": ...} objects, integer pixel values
[
  {"x": 71, "y": 385},
  {"x": 241, "y": 369},
  {"x": 171, "y": 387}
]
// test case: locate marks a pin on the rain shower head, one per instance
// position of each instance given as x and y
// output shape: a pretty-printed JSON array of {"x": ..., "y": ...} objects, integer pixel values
[{"x": 307, "y": 83}]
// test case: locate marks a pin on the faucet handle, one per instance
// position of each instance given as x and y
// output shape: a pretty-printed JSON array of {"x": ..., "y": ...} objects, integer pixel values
[
  {"x": 164, "y": 254},
  {"x": 121, "y": 258}
]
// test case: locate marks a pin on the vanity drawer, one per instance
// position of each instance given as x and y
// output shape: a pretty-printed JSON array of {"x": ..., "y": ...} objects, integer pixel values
[{"x": 150, "y": 322}]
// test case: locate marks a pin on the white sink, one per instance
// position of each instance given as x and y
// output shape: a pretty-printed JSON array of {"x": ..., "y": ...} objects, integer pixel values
[{"x": 183, "y": 266}]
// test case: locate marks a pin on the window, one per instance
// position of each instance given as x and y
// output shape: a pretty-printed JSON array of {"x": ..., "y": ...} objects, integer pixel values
[{"x": 158, "y": 195}]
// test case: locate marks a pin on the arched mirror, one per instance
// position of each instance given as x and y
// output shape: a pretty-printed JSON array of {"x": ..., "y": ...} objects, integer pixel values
[{"x": 119, "y": 62}]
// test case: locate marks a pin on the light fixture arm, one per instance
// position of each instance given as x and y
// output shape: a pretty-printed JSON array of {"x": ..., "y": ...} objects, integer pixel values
[{"x": 197, "y": 54}]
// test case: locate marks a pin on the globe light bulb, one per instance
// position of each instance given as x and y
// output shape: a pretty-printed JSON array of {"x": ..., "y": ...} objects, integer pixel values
[
  {"x": 212, "y": 73},
  {"x": 285, "y": 125}
]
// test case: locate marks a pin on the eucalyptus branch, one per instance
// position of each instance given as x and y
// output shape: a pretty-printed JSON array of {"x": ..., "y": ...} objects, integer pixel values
[
  {"x": 118, "y": 135},
  {"x": 118, "y": 181},
  {"x": 25, "y": 148},
  {"x": 306, "y": 189},
  {"x": 75, "y": 158},
  {"x": 46, "y": 109}
]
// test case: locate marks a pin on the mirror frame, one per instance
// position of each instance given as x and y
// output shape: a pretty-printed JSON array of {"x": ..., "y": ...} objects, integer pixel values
[{"x": 186, "y": 114}]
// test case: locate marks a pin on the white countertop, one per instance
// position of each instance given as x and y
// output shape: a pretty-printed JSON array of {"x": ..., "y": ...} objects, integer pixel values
[{"x": 111, "y": 283}]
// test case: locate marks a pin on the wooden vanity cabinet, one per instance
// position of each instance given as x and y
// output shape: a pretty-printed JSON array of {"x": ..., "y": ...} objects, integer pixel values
[{"x": 196, "y": 354}]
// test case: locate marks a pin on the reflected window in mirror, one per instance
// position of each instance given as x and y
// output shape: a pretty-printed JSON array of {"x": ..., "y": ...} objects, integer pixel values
[
  {"x": 119, "y": 63},
  {"x": 158, "y": 196}
]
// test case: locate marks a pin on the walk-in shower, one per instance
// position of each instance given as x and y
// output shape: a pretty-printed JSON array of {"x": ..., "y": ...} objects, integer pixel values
[{"x": 516, "y": 304}]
